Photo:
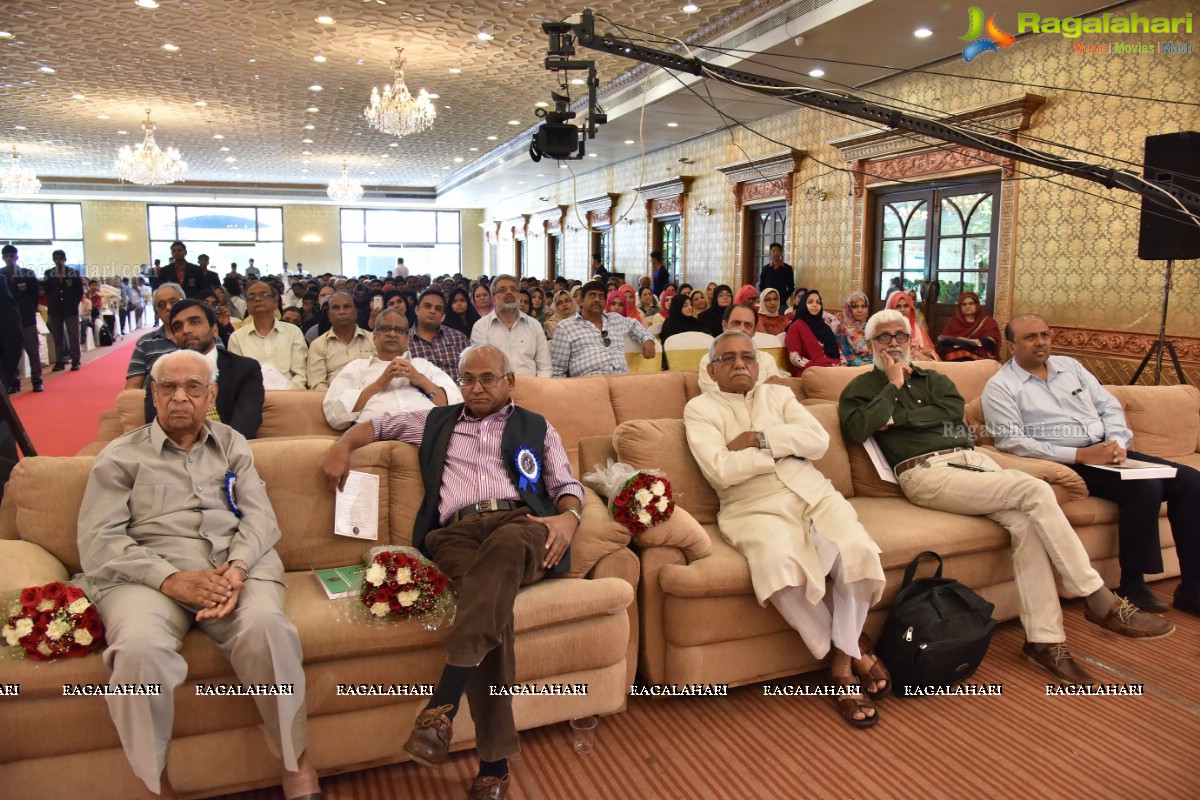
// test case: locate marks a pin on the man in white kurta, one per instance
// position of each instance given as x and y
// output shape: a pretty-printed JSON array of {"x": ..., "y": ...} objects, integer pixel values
[{"x": 755, "y": 444}]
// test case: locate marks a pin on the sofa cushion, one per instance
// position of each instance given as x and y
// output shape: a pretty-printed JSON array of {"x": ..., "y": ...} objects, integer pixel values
[
  {"x": 1165, "y": 420},
  {"x": 681, "y": 531},
  {"x": 27, "y": 564},
  {"x": 576, "y": 407},
  {"x": 48, "y": 493},
  {"x": 660, "y": 395},
  {"x": 835, "y": 464},
  {"x": 131, "y": 408},
  {"x": 973, "y": 416},
  {"x": 292, "y": 413},
  {"x": 662, "y": 444},
  {"x": 903, "y": 530},
  {"x": 597, "y": 536},
  {"x": 827, "y": 383}
]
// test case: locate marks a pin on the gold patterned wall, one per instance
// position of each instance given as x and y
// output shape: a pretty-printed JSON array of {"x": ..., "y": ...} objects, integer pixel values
[
  {"x": 1075, "y": 255},
  {"x": 312, "y": 236},
  {"x": 115, "y": 237}
]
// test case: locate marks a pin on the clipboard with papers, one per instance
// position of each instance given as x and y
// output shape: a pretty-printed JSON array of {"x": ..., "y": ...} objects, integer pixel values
[{"x": 1134, "y": 470}]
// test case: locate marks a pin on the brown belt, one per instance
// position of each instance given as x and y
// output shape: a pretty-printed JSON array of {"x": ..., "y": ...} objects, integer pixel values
[
  {"x": 484, "y": 507},
  {"x": 909, "y": 463}
]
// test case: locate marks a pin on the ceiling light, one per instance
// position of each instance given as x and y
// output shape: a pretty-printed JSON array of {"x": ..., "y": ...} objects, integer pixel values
[
  {"x": 345, "y": 189},
  {"x": 199, "y": 104},
  {"x": 123, "y": 133},
  {"x": 304, "y": 170},
  {"x": 22, "y": 127},
  {"x": 5, "y": 35},
  {"x": 230, "y": 159},
  {"x": 816, "y": 73},
  {"x": 325, "y": 20},
  {"x": 458, "y": 160},
  {"x": 171, "y": 48},
  {"x": 672, "y": 124},
  {"x": 98, "y": 116},
  {"x": 386, "y": 155},
  {"x": 310, "y": 127},
  {"x": 234, "y": 166},
  {"x": 455, "y": 70},
  {"x": 393, "y": 144},
  {"x": 541, "y": 175},
  {"x": 922, "y": 33},
  {"x": 312, "y": 109},
  {"x": 19, "y": 181},
  {"x": 577, "y": 81},
  {"x": 473, "y": 149},
  {"x": 218, "y": 136},
  {"x": 146, "y": 3},
  {"x": 78, "y": 97},
  {"x": 47, "y": 70},
  {"x": 484, "y": 36},
  {"x": 690, "y": 8},
  {"x": 306, "y": 161},
  {"x": 540, "y": 104},
  {"x": 514, "y": 122},
  {"x": 629, "y": 141},
  {"x": 316, "y": 87},
  {"x": 492, "y": 138},
  {"x": 319, "y": 59},
  {"x": 562, "y": 166},
  {"x": 591, "y": 155},
  {"x": 224, "y": 150},
  {"x": 436, "y": 97},
  {"x": 147, "y": 164},
  {"x": 306, "y": 141},
  {"x": 395, "y": 111},
  {"x": 306, "y": 153}
]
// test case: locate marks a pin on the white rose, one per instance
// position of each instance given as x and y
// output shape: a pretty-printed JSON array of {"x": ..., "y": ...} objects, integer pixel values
[
  {"x": 643, "y": 496},
  {"x": 11, "y": 637},
  {"x": 82, "y": 637},
  {"x": 57, "y": 629},
  {"x": 376, "y": 574},
  {"x": 24, "y": 628},
  {"x": 45, "y": 605},
  {"x": 658, "y": 487},
  {"x": 408, "y": 598},
  {"x": 403, "y": 575},
  {"x": 380, "y": 609},
  {"x": 79, "y": 606},
  {"x": 644, "y": 517},
  {"x": 663, "y": 504}
]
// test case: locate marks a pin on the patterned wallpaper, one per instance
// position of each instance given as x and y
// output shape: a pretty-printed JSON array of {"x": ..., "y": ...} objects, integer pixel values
[
  {"x": 102, "y": 218},
  {"x": 1076, "y": 255}
]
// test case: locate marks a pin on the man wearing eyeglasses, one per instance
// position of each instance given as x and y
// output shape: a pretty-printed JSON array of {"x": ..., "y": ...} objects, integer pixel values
[
  {"x": 157, "y": 343},
  {"x": 520, "y": 336},
  {"x": 593, "y": 341},
  {"x": 916, "y": 416},
  {"x": 278, "y": 347},
  {"x": 175, "y": 530},
  {"x": 500, "y": 510},
  {"x": 389, "y": 382}
]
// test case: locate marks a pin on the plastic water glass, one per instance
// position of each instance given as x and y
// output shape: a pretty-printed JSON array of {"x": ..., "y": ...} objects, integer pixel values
[{"x": 584, "y": 729}]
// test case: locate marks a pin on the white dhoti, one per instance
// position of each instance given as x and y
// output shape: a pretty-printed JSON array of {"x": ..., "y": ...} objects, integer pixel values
[{"x": 145, "y": 629}]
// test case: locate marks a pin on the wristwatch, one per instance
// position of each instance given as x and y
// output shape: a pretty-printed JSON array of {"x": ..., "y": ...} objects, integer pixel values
[
  {"x": 575, "y": 511},
  {"x": 762, "y": 441},
  {"x": 239, "y": 564}
]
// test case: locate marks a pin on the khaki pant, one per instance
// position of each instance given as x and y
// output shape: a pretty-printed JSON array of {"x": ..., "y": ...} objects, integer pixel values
[
  {"x": 1026, "y": 507},
  {"x": 489, "y": 557}
]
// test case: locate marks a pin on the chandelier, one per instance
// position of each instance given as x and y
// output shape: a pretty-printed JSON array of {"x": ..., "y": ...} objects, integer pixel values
[
  {"x": 147, "y": 164},
  {"x": 18, "y": 181},
  {"x": 345, "y": 189},
  {"x": 396, "y": 111}
]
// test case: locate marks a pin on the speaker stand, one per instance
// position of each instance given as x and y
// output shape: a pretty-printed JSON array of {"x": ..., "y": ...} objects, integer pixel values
[
  {"x": 9, "y": 415},
  {"x": 1156, "y": 349}
]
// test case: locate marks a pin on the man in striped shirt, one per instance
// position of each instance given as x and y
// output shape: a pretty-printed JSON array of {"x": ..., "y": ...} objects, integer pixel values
[{"x": 500, "y": 510}]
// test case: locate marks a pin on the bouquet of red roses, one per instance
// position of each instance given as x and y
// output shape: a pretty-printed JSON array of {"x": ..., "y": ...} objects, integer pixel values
[
  {"x": 400, "y": 583},
  {"x": 638, "y": 499},
  {"x": 52, "y": 621}
]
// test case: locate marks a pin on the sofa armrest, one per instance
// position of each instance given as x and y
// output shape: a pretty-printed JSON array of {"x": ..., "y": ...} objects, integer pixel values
[
  {"x": 598, "y": 535},
  {"x": 28, "y": 564},
  {"x": 1057, "y": 475},
  {"x": 624, "y": 564},
  {"x": 682, "y": 532}
]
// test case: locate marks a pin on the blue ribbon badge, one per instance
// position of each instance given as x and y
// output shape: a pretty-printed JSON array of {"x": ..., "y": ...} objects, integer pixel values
[
  {"x": 230, "y": 485},
  {"x": 530, "y": 469}
]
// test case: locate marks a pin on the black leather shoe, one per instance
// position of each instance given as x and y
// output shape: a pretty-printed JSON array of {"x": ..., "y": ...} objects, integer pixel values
[
  {"x": 38, "y": 387},
  {"x": 429, "y": 743},
  {"x": 1188, "y": 602},
  {"x": 58, "y": 367},
  {"x": 75, "y": 368},
  {"x": 13, "y": 388},
  {"x": 1140, "y": 595}
]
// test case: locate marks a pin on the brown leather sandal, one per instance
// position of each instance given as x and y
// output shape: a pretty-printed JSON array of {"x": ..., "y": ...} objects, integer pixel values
[
  {"x": 877, "y": 673},
  {"x": 849, "y": 704}
]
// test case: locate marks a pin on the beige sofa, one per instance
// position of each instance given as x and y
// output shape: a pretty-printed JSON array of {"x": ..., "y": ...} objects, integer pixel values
[{"x": 568, "y": 631}]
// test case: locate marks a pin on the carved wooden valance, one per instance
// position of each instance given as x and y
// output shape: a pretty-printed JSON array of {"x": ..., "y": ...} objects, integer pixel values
[
  {"x": 762, "y": 179},
  {"x": 665, "y": 198}
]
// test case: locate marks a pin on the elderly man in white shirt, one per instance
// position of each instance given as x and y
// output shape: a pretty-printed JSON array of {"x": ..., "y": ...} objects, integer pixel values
[
  {"x": 278, "y": 347},
  {"x": 520, "y": 336},
  {"x": 389, "y": 382}
]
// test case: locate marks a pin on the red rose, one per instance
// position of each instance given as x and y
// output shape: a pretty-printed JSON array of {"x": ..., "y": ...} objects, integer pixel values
[
  {"x": 73, "y": 593},
  {"x": 31, "y": 596},
  {"x": 93, "y": 625},
  {"x": 54, "y": 591}
]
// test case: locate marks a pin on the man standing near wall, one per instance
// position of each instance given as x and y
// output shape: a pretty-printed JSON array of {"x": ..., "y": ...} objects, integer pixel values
[
  {"x": 777, "y": 274},
  {"x": 24, "y": 287},
  {"x": 64, "y": 291}
]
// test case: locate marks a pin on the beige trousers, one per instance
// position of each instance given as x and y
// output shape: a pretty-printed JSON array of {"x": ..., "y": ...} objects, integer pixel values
[{"x": 1026, "y": 507}]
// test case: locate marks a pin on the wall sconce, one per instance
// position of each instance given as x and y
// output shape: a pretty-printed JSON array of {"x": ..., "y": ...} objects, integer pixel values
[
  {"x": 117, "y": 237},
  {"x": 816, "y": 191},
  {"x": 703, "y": 210},
  {"x": 310, "y": 238}
]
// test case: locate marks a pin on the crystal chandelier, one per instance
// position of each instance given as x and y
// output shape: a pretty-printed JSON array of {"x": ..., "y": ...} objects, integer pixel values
[
  {"x": 396, "y": 111},
  {"x": 345, "y": 189},
  {"x": 147, "y": 164},
  {"x": 19, "y": 181}
]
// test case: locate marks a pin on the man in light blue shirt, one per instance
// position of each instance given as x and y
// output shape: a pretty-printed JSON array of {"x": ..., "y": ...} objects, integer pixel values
[{"x": 1045, "y": 406}]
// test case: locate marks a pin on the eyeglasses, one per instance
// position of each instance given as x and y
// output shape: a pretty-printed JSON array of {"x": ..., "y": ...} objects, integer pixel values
[
  {"x": 487, "y": 381},
  {"x": 605, "y": 338},
  {"x": 191, "y": 388},
  {"x": 260, "y": 296},
  {"x": 401, "y": 330},
  {"x": 729, "y": 358},
  {"x": 886, "y": 338},
  {"x": 166, "y": 303}
]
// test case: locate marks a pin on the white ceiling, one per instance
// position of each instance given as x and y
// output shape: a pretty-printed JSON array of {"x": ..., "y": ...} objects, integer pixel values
[{"x": 250, "y": 62}]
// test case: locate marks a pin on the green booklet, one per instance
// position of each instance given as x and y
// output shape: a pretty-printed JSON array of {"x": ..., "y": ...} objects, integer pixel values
[{"x": 340, "y": 582}]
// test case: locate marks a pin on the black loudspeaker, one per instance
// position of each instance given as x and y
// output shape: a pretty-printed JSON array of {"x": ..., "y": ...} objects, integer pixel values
[{"x": 1172, "y": 159}]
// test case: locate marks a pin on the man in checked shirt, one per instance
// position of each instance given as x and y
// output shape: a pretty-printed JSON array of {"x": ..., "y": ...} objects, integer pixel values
[{"x": 500, "y": 509}]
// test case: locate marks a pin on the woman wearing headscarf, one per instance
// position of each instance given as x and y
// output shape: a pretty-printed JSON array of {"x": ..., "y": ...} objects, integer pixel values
[
  {"x": 769, "y": 319},
  {"x": 631, "y": 309},
  {"x": 852, "y": 332},
  {"x": 540, "y": 311},
  {"x": 564, "y": 309},
  {"x": 679, "y": 320},
  {"x": 922, "y": 348},
  {"x": 971, "y": 334},
  {"x": 618, "y": 303},
  {"x": 664, "y": 308},
  {"x": 714, "y": 316},
  {"x": 746, "y": 294},
  {"x": 810, "y": 342},
  {"x": 460, "y": 312}
]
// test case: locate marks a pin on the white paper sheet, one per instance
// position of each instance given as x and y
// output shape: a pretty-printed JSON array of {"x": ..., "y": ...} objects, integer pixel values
[
  {"x": 356, "y": 509},
  {"x": 273, "y": 378},
  {"x": 881, "y": 464}
]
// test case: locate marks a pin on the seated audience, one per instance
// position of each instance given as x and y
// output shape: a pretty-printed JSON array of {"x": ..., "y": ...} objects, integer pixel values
[
  {"x": 277, "y": 346},
  {"x": 711, "y": 317},
  {"x": 745, "y": 319},
  {"x": 564, "y": 309},
  {"x": 439, "y": 344},
  {"x": 810, "y": 342},
  {"x": 746, "y": 294},
  {"x": 482, "y": 300},
  {"x": 1046, "y": 406},
  {"x": 389, "y": 382},
  {"x": 151, "y": 346},
  {"x": 342, "y": 343},
  {"x": 647, "y": 305},
  {"x": 916, "y": 416},
  {"x": 971, "y": 334},
  {"x": 756, "y": 445},
  {"x": 770, "y": 320},
  {"x": 700, "y": 303},
  {"x": 518, "y": 335},
  {"x": 922, "y": 348},
  {"x": 540, "y": 312},
  {"x": 525, "y": 302},
  {"x": 851, "y": 334},
  {"x": 460, "y": 312},
  {"x": 593, "y": 342},
  {"x": 679, "y": 320},
  {"x": 154, "y": 571},
  {"x": 292, "y": 315}
]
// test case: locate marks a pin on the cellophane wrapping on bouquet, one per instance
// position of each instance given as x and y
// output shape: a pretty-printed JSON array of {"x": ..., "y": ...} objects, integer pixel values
[
  {"x": 639, "y": 499},
  {"x": 51, "y": 621},
  {"x": 401, "y": 584}
]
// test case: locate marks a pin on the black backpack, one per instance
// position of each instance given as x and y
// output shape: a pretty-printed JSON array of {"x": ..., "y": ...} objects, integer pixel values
[
  {"x": 937, "y": 632},
  {"x": 104, "y": 336}
]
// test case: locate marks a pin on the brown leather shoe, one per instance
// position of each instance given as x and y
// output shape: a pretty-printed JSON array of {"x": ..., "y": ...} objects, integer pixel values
[
  {"x": 429, "y": 743},
  {"x": 488, "y": 788},
  {"x": 1124, "y": 619},
  {"x": 1058, "y": 661}
]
